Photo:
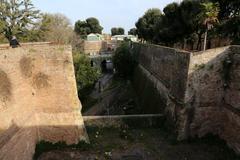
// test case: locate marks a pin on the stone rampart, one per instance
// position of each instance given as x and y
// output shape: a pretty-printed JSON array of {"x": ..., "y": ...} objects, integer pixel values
[
  {"x": 198, "y": 92},
  {"x": 38, "y": 99},
  {"x": 213, "y": 97}
]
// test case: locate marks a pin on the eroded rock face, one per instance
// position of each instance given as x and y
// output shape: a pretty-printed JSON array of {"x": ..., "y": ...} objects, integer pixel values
[{"x": 38, "y": 99}]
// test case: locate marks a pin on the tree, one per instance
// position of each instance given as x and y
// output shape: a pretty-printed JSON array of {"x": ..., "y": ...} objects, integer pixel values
[
  {"x": 231, "y": 28},
  {"x": 94, "y": 25},
  {"x": 117, "y": 31},
  {"x": 17, "y": 17},
  {"x": 124, "y": 60},
  {"x": 228, "y": 8},
  {"x": 171, "y": 27},
  {"x": 146, "y": 25},
  {"x": 229, "y": 17},
  {"x": 209, "y": 17},
  {"x": 86, "y": 76},
  {"x": 56, "y": 28},
  {"x": 114, "y": 31},
  {"x": 91, "y": 25},
  {"x": 132, "y": 31}
]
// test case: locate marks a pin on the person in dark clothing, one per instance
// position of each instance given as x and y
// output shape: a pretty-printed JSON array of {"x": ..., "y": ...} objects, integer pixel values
[{"x": 14, "y": 43}]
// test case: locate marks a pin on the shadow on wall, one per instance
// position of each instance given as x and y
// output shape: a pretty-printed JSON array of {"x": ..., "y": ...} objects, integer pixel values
[
  {"x": 203, "y": 99},
  {"x": 19, "y": 142},
  {"x": 5, "y": 88},
  {"x": 160, "y": 78}
]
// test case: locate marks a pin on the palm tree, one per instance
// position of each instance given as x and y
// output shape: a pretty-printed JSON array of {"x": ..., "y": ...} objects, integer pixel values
[{"x": 209, "y": 17}]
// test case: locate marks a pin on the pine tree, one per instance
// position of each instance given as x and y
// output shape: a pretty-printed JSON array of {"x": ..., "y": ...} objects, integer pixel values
[{"x": 17, "y": 17}]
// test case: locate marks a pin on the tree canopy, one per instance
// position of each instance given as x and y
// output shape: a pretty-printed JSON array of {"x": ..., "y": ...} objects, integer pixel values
[
  {"x": 55, "y": 28},
  {"x": 86, "y": 75},
  {"x": 186, "y": 23},
  {"x": 16, "y": 17},
  {"x": 90, "y": 25},
  {"x": 117, "y": 31},
  {"x": 124, "y": 60},
  {"x": 147, "y": 24},
  {"x": 132, "y": 31}
]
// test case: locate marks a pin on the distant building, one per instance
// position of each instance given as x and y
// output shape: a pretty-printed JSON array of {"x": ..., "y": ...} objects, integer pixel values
[
  {"x": 95, "y": 37},
  {"x": 107, "y": 37},
  {"x": 96, "y": 44},
  {"x": 178, "y": 1},
  {"x": 95, "y": 47},
  {"x": 123, "y": 37}
]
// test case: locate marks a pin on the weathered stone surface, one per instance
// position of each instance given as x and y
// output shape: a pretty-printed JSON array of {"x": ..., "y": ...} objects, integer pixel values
[
  {"x": 198, "y": 92},
  {"x": 38, "y": 99},
  {"x": 168, "y": 65},
  {"x": 214, "y": 96}
]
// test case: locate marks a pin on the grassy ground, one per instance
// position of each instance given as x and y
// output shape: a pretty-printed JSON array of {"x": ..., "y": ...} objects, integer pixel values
[{"x": 138, "y": 144}]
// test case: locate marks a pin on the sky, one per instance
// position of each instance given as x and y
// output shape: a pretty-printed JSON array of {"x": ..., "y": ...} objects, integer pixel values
[{"x": 110, "y": 13}]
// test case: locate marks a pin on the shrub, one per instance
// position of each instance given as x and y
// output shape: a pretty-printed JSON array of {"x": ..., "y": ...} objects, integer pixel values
[
  {"x": 86, "y": 75},
  {"x": 124, "y": 61}
]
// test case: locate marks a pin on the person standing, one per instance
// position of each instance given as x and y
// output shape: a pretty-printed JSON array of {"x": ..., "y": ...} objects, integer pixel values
[{"x": 14, "y": 43}]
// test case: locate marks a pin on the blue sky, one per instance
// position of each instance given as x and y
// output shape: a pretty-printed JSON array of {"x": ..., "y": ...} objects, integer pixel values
[{"x": 111, "y": 13}]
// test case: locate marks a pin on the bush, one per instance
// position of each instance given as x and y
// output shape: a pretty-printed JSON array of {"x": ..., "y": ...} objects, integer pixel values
[
  {"x": 124, "y": 61},
  {"x": 86, "y": 76}
]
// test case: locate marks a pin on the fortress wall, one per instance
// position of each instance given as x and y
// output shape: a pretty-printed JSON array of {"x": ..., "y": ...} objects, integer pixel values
[
  {"x": 160, "y": 80},
  {"x": 38, "y": 99},
  {"x": 203, "y": 57},
  {"x": 198, "y": 92},
  {"x": 213, "y": 95},
  {"x": 169, "y": 66}
]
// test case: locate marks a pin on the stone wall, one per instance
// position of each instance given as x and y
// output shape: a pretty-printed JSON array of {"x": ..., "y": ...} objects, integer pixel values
[
  {"x": 213, "y": 95},
  {"x": 95, "y": 47},
  {"x": 160, "y": 80},
  {"x": 198, "y": 92},
  {"x": 169, "y": 66},
  {"x": 38, "y": 99}
]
